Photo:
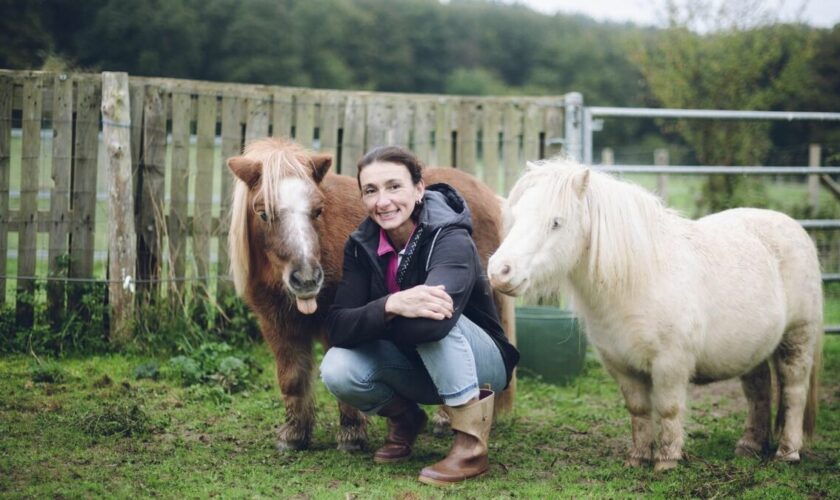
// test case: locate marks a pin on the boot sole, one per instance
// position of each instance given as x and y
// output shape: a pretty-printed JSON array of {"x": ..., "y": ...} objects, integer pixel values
[{"x": 438, "y": 482}]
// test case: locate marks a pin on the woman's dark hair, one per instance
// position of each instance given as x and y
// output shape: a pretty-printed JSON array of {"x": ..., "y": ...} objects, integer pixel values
[{"x": 392, "y": 154}]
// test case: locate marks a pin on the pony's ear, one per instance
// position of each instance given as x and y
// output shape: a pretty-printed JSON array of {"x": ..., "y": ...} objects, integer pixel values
[
  {"x": 580, "y": 182},
  {"x": 246, "y": 169},
  {"x": 320, "y": 166}
]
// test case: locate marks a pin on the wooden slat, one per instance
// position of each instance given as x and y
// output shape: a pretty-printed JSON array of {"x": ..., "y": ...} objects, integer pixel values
[
  {"x": 379, "y": 120},
  {"x": 137, "y": 98},
  {"x": 353, "y": 142},
  {"x": 179, "y": 189},
  {"x": 122, "y": 247},
  {"x": 231, "y": 146},
  {"x": 202, "y": 210},
  {"x": 491, "y": 123},
  {"x": 402, "y": 111},
  {"x": 554, "y": 128},
  {"x": 305, "y": 119},
  {"x": 6, "y": 91},
  {"x": 421, "y": 143},
  {"x": 29, "y": 174},
  {"x": 467, "y": 130},
  {"x": 150, "y": 217},
  {"x": 62, "y": 165},
  {"x": 532, "y": 127},
  {"x": 282, "y": 114},
  {"x": 83, "y": 196},
  {"x": 256, "y": 125},
  {"x": 510, "y": 144},
  {"x": 443, "y": 133},
  {"x": 330, "y": 114}
]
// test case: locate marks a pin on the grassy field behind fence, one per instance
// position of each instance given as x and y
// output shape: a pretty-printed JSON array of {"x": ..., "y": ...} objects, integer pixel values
[{"x": 96, "y": 431}]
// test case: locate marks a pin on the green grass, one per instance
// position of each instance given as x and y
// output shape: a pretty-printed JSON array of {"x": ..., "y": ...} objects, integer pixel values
[{"x": 558, "y": 442}]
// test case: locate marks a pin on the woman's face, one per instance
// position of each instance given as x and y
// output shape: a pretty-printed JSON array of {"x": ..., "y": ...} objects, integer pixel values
[{"x": 389, "y": 196}]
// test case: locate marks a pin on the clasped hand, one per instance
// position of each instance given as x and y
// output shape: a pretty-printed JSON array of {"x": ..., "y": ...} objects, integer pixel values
[{"x": 421, "y": 301}]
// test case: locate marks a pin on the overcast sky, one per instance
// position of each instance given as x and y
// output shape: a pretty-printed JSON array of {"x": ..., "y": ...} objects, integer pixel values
[{"x": 822, "y": 13}]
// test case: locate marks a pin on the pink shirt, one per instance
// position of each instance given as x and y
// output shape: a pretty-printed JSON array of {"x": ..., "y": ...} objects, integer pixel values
[{"x": 394, "y": 258}]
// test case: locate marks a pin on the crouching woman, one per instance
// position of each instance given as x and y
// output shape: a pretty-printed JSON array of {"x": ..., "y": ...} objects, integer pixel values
[{"x": 413, "y": 321}]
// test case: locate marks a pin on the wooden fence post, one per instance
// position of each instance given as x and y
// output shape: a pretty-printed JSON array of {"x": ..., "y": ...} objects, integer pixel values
[
  {"x": 122, "y": 251},
  {"x": 6, "y": 91},
  {"x": 607, "y": 156},
  {"x": 814, "y": 154},
  {"x": 660, "y": 159}
]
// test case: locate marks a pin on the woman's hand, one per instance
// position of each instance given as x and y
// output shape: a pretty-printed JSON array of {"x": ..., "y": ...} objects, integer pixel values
[{"x": 421, "y": 301}]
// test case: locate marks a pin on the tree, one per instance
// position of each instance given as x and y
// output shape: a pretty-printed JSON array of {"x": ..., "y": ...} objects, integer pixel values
[{"x": 746, "y": 60}]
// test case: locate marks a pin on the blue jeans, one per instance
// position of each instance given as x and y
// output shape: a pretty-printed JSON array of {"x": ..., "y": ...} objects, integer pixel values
[{"x": 368, "y": 376}]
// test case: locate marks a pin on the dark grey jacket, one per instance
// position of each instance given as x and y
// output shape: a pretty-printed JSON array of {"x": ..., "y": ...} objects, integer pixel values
[{"x": 441, "y": 252}]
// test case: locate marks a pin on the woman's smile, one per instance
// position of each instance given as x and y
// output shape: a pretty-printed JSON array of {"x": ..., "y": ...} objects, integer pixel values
[{"x": 390, "y": 197}]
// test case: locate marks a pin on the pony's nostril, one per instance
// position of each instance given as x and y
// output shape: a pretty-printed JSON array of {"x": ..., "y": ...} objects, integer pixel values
[
  {"x": 296, "y": 280},
  {"x": 505, "y": 270},
  {"x": 319, "y": 275}
]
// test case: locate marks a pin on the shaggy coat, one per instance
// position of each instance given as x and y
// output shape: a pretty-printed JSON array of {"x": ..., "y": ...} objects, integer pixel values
[{"x": 667, "y": 301}]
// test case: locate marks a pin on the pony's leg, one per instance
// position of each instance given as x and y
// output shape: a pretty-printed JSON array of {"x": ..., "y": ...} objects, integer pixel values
[
  {"x": 293, "y": 357},
  {"x": 670, "y": 386},
  {"x": 352, "y": 432},
  {"x": 756, "y": 438},
  {"x": 636, "y": 393},
  {"x": 440, "y": 423},
  {"x": 794, "y": 359}
]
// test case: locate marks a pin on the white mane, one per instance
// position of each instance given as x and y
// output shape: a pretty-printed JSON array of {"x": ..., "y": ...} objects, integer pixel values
[
  {"x": 623, "y": 248},
  {"x": 280, "y": 159}
]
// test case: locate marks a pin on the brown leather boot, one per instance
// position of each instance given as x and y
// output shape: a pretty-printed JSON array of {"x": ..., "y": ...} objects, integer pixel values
[
  {"x": 405, "y": 421},
  {"x": 468, "y": 456}
]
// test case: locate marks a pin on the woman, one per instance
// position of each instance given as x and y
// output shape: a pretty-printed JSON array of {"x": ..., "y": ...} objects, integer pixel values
[{"x": 414, "y": 320}]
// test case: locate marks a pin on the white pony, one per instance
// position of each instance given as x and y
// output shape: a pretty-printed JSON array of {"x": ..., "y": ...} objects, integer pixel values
[{"x": 667, "y": 301}]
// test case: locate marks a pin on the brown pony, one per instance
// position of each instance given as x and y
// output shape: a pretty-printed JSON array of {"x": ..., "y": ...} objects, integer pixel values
[{"x": 290, "y": 220}]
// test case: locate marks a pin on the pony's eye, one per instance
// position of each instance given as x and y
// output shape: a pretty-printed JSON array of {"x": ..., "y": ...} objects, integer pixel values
[
  {"x": 557, "y": 223},
  {"x": 263, "y": 216},
  {"x": 317, "y": 212}
]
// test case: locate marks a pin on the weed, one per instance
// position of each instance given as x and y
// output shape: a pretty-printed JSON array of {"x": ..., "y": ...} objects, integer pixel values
[
  {"x": 213, "y": 364},
  {"x": 48, "y": 372},
  {"x": 121, "y": 419}
]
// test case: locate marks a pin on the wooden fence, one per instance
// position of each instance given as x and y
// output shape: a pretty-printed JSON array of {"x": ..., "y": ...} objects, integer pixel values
[{"x": 181, "y": 132}]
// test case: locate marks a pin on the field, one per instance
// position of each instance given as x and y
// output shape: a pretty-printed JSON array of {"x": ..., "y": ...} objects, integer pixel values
[{"x": 91, "y": 429}]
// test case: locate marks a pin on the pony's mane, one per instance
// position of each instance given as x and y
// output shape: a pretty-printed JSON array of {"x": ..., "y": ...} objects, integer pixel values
[
  {"x": 280, "y": 159},
  {"x": 623, "y": 246}
]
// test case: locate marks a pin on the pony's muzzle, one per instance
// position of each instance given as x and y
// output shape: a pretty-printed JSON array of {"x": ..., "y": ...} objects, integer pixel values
[
  {"x": 502, "y": 277},
  {"x": 306, "y": 282}
]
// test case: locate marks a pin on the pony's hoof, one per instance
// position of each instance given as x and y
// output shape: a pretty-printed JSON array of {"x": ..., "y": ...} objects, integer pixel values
[
  {"x": 350, "y": 446},
  {"x": 663, "y": 465},
  {"x": 285, "y": 445},
  {"x": 636, "y": 462},
  {"x": 786, "y": 455}
]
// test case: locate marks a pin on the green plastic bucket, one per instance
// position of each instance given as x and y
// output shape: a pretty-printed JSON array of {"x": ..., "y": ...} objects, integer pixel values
[{"x": 551, "y": 343}]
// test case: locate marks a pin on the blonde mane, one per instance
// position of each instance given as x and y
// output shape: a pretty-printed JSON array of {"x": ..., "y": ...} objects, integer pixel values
[
  {"x": 623, "y": 246},
  {"x": 280, "y": 159}
]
